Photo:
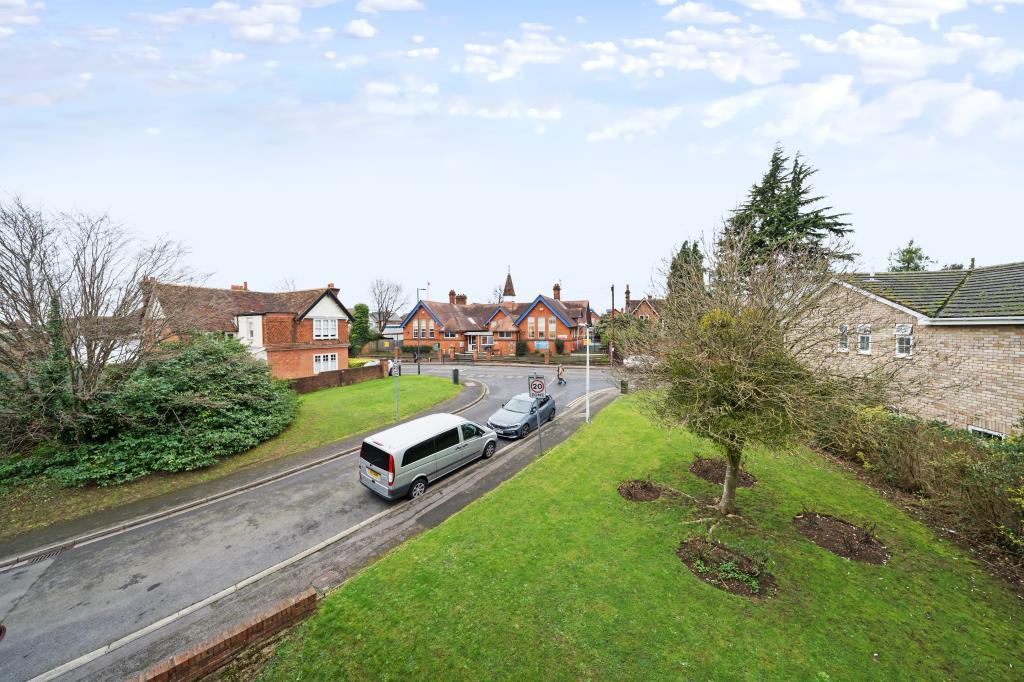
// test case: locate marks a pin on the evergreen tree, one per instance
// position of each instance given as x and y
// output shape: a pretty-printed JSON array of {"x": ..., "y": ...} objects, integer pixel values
[
  {"x": 688, "y": 262},
  {"x": 781, "y": 213},
  {"x": 53, "y": 380},
  {"x": 910, "y": 258},
  {"x": 360, "y": 333}
]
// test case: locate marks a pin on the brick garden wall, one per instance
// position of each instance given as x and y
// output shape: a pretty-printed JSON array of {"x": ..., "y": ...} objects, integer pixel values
[
  {"x": 201, "y": 660},
  {"x": 341, "y": 377}
]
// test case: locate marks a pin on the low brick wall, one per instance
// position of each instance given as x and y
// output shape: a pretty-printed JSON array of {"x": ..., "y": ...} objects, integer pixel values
[
  {"x": 339, "y": 377},
  {"x": 201, "y": 660}
]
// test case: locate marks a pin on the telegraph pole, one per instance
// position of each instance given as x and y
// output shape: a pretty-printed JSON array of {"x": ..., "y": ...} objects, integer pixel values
[{"x": 611, "y": 341}]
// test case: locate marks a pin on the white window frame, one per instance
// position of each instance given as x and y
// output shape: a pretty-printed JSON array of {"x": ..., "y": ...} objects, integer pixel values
[
  {"x": 451, "y": 335},
  {"x": 541, "y": 327},
  {"x": 430, "y": 323},
  {"x": 504, "y": 335},
  {"x": 843, "y": 345},
  {"x": 910, "y": 346},
  {"x": 530, "y": 328},
  {"x": 643, "y": 318},
  {"x": 325, "y": 328},
  {"x": 552, "y": 327},
  {"x": 863, "y": 332},
  {"x": 325, "y": 362},
  {"x": 985, "y": 433}
]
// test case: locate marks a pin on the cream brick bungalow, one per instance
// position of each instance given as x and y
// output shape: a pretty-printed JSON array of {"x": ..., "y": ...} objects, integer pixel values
[{"x": 974, "y": 316}]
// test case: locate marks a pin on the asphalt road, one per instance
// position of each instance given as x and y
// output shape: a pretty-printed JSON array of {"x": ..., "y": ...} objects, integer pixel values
[{"x": 62, "y": 608}]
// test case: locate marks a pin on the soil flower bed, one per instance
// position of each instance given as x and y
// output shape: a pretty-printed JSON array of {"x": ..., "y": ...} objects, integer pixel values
[
  {"x": 713, "y": 471},
  {"x": 841, "y": 538},
  {"x": 726, "y": 569},
  {"x": 636, "y": 490}
]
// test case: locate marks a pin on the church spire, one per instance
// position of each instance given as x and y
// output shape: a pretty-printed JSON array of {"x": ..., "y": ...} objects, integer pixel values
[{"x": 510, "y": 290}]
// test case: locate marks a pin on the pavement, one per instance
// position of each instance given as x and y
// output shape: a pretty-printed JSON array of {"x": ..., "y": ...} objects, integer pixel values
[{"x": 111, "y": 607}]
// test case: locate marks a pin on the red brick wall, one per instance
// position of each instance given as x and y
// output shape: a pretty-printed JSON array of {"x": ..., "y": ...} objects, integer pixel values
[
  {"x": 201, "y": 660},
  {"x": 541, "y": 310},
  {"x": 341, "y": 377},
  {"x": 280, "y": 328},
  {"x": 292, "y": 363},
  {"x": 645, "y": 309},
  {"x": 438, "y": 337}
]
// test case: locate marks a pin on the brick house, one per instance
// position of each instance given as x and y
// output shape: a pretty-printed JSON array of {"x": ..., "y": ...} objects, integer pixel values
[
  {"x": 646, "y": 308},
  {"x": 457, "y": 326},
  {"x": 298, "y": 333},
  {"x": 975, "y": 317}
]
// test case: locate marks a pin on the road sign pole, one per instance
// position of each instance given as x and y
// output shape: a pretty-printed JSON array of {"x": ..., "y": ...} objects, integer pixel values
[
  {"x": 587, "y": 389},
  {"x": 397, "y": 374},
  {"x": 538, "y": 389}
]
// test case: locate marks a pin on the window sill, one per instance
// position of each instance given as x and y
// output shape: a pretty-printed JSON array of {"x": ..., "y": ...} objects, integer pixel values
[
  {"x": 863, "y": 352},
  {"x": 842, "y": 350}
]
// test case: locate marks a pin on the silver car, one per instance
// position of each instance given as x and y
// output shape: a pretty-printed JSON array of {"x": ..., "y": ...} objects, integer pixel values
[
  {"x": 404, "y": 459},
  {"x": 522, "y": 414}
]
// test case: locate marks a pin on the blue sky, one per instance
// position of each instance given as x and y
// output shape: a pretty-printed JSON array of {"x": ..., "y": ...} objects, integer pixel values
[{"x": 442, "y": 141}]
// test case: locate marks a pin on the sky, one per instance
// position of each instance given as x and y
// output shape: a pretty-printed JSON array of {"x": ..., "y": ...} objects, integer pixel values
[{"x": 443, "y": 141}]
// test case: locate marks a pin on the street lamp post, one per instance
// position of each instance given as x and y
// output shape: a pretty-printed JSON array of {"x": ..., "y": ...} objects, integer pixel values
[{"x": 587, "y": 390}]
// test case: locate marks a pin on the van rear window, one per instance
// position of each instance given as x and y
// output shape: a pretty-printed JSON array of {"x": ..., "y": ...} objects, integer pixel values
[{"x": 375, "y": 456}]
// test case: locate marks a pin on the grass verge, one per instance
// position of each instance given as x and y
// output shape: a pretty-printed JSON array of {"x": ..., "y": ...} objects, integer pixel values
[
  {"x": 324, "y": 416},
  {"x": 554, "y": 576}
]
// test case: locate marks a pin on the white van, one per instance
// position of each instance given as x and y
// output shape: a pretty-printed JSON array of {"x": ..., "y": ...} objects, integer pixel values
[{"x": 405, "y": 458}]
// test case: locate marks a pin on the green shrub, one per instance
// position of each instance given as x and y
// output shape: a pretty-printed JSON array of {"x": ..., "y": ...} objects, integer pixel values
[
  {"x": 978, "y": 484},
  {"x": 425, "y": 349},
  {"x": 521, "y": 348},
  {"x": 559, "y": 346},
  {"x": 183, "y": 409}
]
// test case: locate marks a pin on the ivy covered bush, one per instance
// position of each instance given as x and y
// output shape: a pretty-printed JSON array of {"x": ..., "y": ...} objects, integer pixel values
[{"x": 185, "y": 407}]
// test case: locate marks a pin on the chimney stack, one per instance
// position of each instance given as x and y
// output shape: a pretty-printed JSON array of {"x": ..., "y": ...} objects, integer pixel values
[
  {"x": 244, "y": 286},
  {"x": 461, "y": 299},
  {"x": 451, "y": 296},
  {"x": 557, "y": 291},
  {"x": 330, "y": 285},
  {"x": 626, "y": 309}
]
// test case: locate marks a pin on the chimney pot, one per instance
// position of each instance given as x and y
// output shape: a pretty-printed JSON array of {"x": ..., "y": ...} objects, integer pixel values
[
  {"x": 244, "y": 286},
  {"x": 557, "y": 290},
  {"x": 330, "y": 285},
  {"x": 627, "y": 298},
  {"x": 461, "y": 299},
  {"x": 451, "y": 296}
]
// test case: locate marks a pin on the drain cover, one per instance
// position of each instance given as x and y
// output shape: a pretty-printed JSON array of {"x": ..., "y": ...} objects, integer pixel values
[{"x": 43, "y": 557}]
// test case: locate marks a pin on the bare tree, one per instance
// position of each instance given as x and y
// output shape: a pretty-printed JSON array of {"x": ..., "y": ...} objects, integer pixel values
[
  {"x": 497, "y": 295},
  {"x": 388, "y": 298},
  {"x": 287, "y": 284},
  {"x": 748, "y": 352},
  {"x": 80, "y": 277}
]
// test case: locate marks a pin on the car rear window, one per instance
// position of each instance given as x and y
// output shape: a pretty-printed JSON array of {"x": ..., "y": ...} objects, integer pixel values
[
  {"x": 375, "y": 456},
  {"x": 417, "y": 452}
]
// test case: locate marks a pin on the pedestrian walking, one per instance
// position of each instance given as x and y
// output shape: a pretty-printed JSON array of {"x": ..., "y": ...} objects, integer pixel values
[
  {"x": 561, "y": 374},
  {"x": 391, "y": 367},
  {"x": 398, "y": 366}
]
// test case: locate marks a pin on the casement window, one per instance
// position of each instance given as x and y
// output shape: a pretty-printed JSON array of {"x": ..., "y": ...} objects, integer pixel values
[
  {"x": 540, "y": 327},
  {"x": 844, "y": 339},
  {"x": 486, "y": 341},
  {"x": 643, "y": 318},
  {"x": 530, "y": 333},
  {"x": 504, "y": 335},
  {"x": 864, "y": 339},
  {"x": 451, "y": 335},
  {"x": 985, "y": 434},
  {"x": 325, "y": 328},
  {"x": 552, "y": 329},
  {"x": 431, "y": 323},
  {"x": 325, "y": 363},
  {"x": 415, "y": 329},
  {"x": 904, "y": 340}
]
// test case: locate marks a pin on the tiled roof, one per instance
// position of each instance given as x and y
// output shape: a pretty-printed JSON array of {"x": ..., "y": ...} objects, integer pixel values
[
  {"x": 509, "y": 289},
  {"x": 207, "y": 309},
  {"x": 475, "y": 316},
  {"x": 655, "y": 303},
  {"x": 994, "y": 291}
]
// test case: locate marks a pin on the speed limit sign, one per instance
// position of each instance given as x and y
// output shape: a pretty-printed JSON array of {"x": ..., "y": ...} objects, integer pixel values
[{"x": 537, "y": 387}]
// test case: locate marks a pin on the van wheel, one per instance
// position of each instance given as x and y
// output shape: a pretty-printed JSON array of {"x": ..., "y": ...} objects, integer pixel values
[
  {"x": 488, "y": 450},
  {"x": 418, "y": 487},
  {"x": 525, "y": 432}
]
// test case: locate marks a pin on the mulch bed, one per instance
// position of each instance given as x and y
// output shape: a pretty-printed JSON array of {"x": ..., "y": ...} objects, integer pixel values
[
  {"x": 636, "y": 490},
  {"x": 713, "y": 470},
  {"x": 726, "y": 569},
  {"x": 842, "y": 538}
]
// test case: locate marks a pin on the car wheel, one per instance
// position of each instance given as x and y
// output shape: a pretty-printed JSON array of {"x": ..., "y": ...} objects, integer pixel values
[
  {"x": 525, "y": 432},
  {"x": 418, "y": 487},
  {"x": 551, "y": 416},
  {"x": 489, "y": 450}
]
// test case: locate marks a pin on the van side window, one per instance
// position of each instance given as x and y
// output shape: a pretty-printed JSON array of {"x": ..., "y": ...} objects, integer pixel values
[
  {"x": 470, "y": 431},
  {"x": 446, "y": 440},
  {"x": 417, "y": 452}
]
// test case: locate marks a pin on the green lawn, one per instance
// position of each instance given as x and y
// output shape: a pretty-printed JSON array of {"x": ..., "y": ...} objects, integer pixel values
[
  {"x": 554, "y": 576},
  {"x": 324, "y": 416}
]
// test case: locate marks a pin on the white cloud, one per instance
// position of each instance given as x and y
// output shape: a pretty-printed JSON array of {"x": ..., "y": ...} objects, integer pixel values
[
  {"x": 323, "y": 34},
  {"x": 830, "y": 110},
  {"x": 422, "y": 52},
  {"x": 462, "y": 107},
  {"x": 501, "y": 62},
  {"x": 374, "y": 6},
  {"x": 350, "y": 62},
  {"x": 100, "y": 34},
  {"x": 417, "y": 40},
  {"x": 886, "y": 54},
  {"x": 580, "y": 19},
  {"x": 17, "y": 13},
  {"x": 790, "y": 9},
  {"x": 271, "y": 64},
  {"x": 360, "y": 28},
  {"x": 902, "y": 11},
  {"x": 4, "y": 31},
  {"x": 603, "y": 55},
  {"x": 529, "y": 26},
  {"x": 381, "y": 88},
  {"x": 647, "y": 123},
  {"x": 217, "y": 58},
  {"x": 699, "y": 13},
  {"x": 996, "y": 58}
]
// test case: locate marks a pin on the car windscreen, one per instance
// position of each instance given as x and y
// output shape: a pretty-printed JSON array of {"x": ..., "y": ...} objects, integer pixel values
[
  {"x": 518, "y": 405},
  {"x": 375, "y": 456}
]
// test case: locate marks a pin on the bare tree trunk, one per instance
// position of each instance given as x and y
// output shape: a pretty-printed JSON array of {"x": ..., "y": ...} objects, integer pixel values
[{"x": 727, "y": 505}]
